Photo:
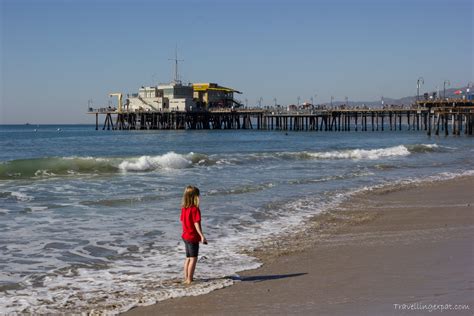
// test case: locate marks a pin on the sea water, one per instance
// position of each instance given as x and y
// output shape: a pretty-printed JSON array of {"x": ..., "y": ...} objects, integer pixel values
[{"x": 89, "y": 220}]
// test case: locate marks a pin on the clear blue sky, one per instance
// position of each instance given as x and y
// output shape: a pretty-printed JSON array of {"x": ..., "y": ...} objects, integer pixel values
[{"x": 55, "y": 55}]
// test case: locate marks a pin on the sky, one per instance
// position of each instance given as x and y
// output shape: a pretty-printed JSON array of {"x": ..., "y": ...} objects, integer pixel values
[{"x": 58, "y": 54}]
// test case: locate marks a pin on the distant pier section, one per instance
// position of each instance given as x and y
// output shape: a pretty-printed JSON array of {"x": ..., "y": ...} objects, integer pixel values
[{"x": 211, "y": 106}]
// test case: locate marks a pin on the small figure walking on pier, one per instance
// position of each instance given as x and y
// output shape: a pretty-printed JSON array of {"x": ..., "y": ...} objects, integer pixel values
[{"x": 192, "y": 231}]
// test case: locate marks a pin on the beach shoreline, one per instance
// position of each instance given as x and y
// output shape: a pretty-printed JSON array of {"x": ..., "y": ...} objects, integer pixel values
[{"x": 388, "y": 251}]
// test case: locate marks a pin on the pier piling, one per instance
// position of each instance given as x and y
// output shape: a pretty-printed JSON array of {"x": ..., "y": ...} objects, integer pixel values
[{"x": 432, "y": 118}]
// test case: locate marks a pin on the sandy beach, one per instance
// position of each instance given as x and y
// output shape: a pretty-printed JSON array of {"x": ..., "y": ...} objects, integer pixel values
[{"x": 386, "y": 252}]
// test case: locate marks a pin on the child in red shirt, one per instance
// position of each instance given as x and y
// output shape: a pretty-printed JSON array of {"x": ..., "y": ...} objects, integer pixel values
[{"x": 192, "y": 231}]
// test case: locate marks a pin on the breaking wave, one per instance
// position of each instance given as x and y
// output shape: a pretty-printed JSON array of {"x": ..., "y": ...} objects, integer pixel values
[
  {"x": 363, "y": 154},
  {"x": 60, "y": 166},
  {"x": 169, "y": 160},
  {"x": 425, "y": 148},
  {"x": 370, "y": 154}
]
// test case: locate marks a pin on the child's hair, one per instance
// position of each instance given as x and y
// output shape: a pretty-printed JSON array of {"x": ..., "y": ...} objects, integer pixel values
[{"x": 190, "y": 197}]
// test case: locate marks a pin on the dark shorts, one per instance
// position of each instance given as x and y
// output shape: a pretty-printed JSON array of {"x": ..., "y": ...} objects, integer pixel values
[{"x": 192, "y": 249}]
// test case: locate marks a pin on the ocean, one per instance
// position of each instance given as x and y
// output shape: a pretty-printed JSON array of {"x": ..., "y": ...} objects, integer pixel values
[{"x": 89, "y": 220}]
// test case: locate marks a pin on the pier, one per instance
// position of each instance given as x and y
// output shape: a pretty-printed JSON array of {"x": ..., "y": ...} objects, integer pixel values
[{"x": 448, "y": 117}]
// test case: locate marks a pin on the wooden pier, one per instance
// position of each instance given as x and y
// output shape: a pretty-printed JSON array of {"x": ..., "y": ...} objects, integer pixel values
[{"x": 448, "y": 117}]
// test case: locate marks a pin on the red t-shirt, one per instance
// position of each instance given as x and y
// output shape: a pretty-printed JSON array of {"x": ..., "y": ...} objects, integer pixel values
[{"x": 189, "y": 216}]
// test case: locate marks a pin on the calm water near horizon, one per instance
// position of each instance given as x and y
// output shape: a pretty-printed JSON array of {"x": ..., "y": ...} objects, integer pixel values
[{"x": 90, "y": 219}]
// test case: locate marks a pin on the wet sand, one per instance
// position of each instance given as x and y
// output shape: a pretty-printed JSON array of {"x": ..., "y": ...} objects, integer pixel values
[{"x": 403, "y": 246}]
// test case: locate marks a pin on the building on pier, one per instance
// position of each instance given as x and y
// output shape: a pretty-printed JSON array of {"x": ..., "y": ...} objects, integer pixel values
[
  {"x": 211, "y": 95},
  {"x": 147, "y": 99},
  {"x": 164, "y": 97},
  {"x": 182, "y": 98}
]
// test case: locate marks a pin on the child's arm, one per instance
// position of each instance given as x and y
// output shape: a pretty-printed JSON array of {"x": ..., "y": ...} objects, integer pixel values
[{"x": 199, "y": 230}]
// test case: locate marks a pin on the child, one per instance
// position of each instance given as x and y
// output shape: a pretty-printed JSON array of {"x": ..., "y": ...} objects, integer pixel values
[{"x": 192, "y": 232}]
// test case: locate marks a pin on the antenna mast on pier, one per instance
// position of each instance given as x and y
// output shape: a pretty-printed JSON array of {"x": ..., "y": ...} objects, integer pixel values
[{"x": 176, "y": 60}]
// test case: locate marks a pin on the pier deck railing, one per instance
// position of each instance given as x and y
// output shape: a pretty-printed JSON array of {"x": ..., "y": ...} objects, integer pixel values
[{"x": 446, "y": 119}]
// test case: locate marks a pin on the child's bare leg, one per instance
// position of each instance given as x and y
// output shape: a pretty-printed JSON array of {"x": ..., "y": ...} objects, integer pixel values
[
  {"x": 191, "y": 268},
  {"x": 186, "y": 265}
]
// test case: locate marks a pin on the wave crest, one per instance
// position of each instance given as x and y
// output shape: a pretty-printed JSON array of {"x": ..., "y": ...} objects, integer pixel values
[
  {"x": 60, "y": 166},
  {"x": 423, "y": 148},
  {"x": 54, "y": 166},
  {"x": 169, "y": 160},
  {"x": 369, "y": 154}
]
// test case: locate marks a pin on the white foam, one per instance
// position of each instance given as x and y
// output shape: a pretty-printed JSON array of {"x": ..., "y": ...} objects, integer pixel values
[
  {"x": 44, "y": 173},
  {"x": 4, "y": 211},
  {"x": 169, "y": 160},
  {"x": 430, "y": 145},
  {"x": 38, "y": 208},
  {"x": 83, "y": 158},
  {"x": 443, "y": 176},
  {"x": 369, "y": 154},
  {"x": 21, "y": 196}
]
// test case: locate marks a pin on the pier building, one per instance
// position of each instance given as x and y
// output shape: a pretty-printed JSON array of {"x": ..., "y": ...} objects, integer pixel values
[
  {"x": 147, "y": 99},
  {"x": 178, "y": 97},
  {"x": 211, "y": 95}
]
